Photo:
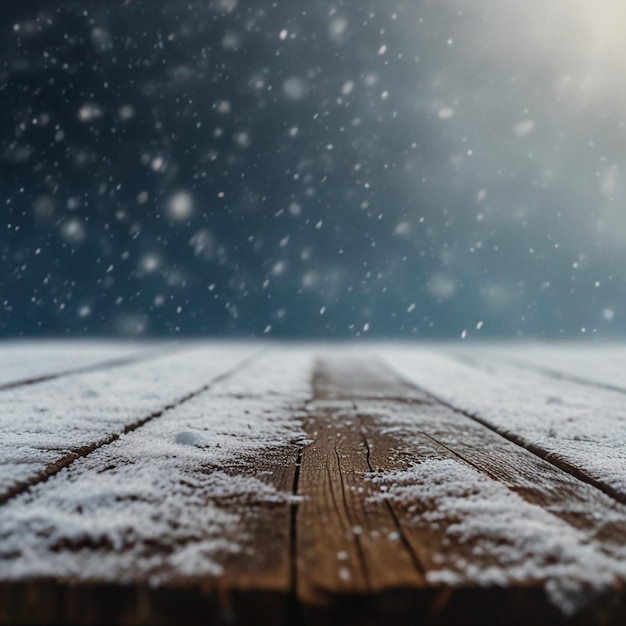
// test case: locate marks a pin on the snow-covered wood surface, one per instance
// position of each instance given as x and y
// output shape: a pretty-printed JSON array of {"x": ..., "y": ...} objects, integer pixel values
[
  {"x": 601, "y": 365},
  {"x": 579, "y": 426},
  {"x": 45, "y": 426},
  {"x": 28, "y": 362},
  {"x": 262, "y": 483}
]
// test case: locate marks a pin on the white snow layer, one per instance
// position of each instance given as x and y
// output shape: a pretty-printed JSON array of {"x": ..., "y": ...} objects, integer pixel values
[
  {"x": 23, "y": 360},
  {"x": 583, "y": 425},
  {"x": 602, "y": 364},
  {"x": 40, "y": 424},
  {"x": 506, "y": 539},
  {"x": 148, "y": 505}
]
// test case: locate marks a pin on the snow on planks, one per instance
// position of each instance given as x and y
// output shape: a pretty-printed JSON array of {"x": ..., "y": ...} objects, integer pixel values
[
  {"x": 238, "y": 486},
  {"x": 469, "y": 509},
  {"x": 45, "y": 427},
  {"x": 580, "y": 428},
  {"x": 30, "y": 362},
  {"x": 591, "y": 365},
  {"x": 173, "y": 521}
]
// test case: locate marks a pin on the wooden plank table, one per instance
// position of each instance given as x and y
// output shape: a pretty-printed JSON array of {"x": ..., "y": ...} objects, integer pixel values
[{"x": 271, "y": 484}]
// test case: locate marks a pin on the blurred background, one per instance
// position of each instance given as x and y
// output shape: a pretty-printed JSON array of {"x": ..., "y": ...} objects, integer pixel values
[{"x": 318, "y": 169}]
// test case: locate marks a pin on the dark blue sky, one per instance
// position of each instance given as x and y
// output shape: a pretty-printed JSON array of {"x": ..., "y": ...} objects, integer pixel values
[{"x": 308, "y": 169}]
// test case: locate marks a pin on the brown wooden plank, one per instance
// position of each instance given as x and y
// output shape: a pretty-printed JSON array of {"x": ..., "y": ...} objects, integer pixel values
[
  {"x": 346, "y": 544},
  {"x": 465, "y": 578},
  {"x": 256, "y": 584}
]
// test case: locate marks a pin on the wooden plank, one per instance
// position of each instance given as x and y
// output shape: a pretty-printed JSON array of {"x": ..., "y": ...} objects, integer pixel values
[
  {"x": 45, "y": 427},
  {"x": 346, "y": 544},
  {"x": 352, "y": 565},
  {"x": 26, "y": 362},
  {"x": 476, "y": 512},
  {"x": 186, "y": 519},
  {"x": 359, "y": 375},
  {"x": 578, "y": 428}
]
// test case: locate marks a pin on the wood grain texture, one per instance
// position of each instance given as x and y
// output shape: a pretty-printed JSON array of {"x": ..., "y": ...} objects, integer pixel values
[{"x": 348, "y": 543}]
